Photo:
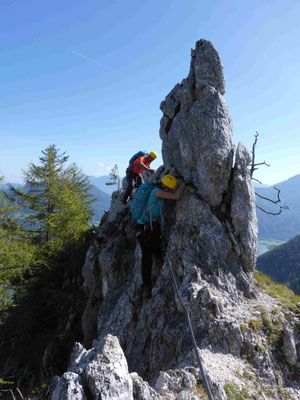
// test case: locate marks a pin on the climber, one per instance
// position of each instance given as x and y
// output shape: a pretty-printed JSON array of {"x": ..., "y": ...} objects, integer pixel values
[
  {"x": 136, "y": 168},
  {"x": 149, "y": 226}
]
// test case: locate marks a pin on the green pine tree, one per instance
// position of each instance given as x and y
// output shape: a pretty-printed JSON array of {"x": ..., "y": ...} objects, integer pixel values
[
  {"x": 17, "y": 254},
  {"x": 74, "y": 205},
  {"x": 40, "y": 194},
  {"x": 57, "y": 198}
]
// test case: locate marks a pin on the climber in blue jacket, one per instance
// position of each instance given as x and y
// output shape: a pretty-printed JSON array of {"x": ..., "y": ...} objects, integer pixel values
[{"x": 149, "y": 234}]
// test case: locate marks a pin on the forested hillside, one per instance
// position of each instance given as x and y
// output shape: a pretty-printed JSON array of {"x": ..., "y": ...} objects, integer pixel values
[{"x": 283, "y": 263}]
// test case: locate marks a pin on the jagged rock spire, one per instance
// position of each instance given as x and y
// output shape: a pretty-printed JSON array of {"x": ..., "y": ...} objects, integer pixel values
[
  {"x": 211, "y": 239},
  {"x": 196, "y": 128}
]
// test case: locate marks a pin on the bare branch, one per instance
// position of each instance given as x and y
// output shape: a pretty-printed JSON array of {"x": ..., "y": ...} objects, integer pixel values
[
  {"x": 254, "y": 168},
  {"x": 271, "y": 213},
  {"x": 272, "y": 201},
  {"x": 253, "y": 154},
  {"x": 263, "y": 163},
  {"x": 256, "y": 180},
  {"x": 253, "y": 164}
]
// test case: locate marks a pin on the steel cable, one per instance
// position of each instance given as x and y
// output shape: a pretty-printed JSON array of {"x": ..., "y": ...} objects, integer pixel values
[{"x": 204, "y": 378}]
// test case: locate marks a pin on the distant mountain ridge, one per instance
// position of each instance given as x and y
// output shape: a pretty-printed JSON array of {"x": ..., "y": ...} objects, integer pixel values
[
  {"x": 286, "y": 225},
  {"x": 99, "y": 206},
  {"x": 283, "y": 263},
  {"x": 101, "y": 183},
  {"x": 282, "y": 227}
]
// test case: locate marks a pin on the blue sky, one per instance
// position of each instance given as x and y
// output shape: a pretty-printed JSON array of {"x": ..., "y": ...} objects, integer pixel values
[{"x": 89, "y": 76}]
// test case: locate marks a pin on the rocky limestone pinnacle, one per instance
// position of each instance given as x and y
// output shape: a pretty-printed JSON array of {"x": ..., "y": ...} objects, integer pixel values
[
  {"x": 140, "y": 348},
  {"x": 196, "y": 128}
]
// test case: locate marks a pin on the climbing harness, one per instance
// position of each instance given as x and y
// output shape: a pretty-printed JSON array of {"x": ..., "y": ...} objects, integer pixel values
[{"x": 204, "y": 377}]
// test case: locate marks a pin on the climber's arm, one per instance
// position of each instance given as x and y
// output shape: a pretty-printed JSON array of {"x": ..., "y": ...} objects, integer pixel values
[
  {"x": 143, "y": 166},
  {"x": 170, "y": 195}
]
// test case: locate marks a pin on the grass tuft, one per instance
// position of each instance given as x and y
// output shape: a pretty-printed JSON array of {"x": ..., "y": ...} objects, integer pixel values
[{"x": 286, "y": 296}]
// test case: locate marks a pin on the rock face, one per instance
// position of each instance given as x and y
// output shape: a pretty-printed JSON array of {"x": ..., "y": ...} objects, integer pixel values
[
  {"x": 103, "y": 369},
  {"x": 196, "y": 128},
  {"x": 68, "y": 387},
  {"x": 210, "y": 237},
  {"x": 243, "y": 211}
]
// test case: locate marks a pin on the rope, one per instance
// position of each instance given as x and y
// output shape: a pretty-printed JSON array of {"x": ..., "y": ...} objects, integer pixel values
[{"x": 204, "y": 378}]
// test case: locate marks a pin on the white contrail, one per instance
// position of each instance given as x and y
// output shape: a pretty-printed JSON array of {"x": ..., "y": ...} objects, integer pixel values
[{"x": 91, "y": 60}]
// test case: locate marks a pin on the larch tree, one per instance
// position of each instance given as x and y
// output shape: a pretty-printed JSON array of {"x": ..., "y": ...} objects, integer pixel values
[
  {"x": 17, "y": 253},
  {"x": 40, "y": 193},
  {"x": 57, "y": 199},
  {"x": 74, "y": 205}
]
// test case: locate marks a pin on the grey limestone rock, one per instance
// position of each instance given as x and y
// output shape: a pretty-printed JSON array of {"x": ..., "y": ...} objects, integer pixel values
[
  {"x": 177, "y": 385},
  {"x": 208, "y": 68},
  {"x": 80, "y": 358},
  {"x": 196, "y": 128},
  {"x": 88, "y": 270},
  {"x": 243, "y": 208},
  {"x": 68, "y": 387},
  {"x": 289, "y": 347},
  {"x": 210, "y": 237},
  {"x": 107, "y": 374},
  {"x": 142, "y": 390}
]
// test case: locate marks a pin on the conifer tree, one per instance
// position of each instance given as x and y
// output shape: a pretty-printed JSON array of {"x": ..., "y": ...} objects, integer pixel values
[
  {"x": 57, "y": 199},
  {"x": 74, "y": 204},
  {"x": 40, "y": 193},
  {"x": 17, "y": 253}
]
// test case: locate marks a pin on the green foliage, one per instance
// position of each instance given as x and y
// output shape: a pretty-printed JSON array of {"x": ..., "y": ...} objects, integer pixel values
[
  {"x": 200, "y": 391},
  {"x": 57, "y": 198},
  {"x": 244, "y": 328},
  {"x": 73, "y": 208},
  {"x": 39, "y": 391},
  {"x": 17, "y": 256},
  {"x": 286, "y": 297},
  {"x": 17, "y": 253},
  {"x": 42, "y": 316},
  {"x": 233, "y": 392},
  {"x": 43, "y": 182},
  {"x": 3, "y": 382},
  {"x": 255, "y": 324},
  {"x": 274, "y": 330},
  {"x": 282, "y": 263},
  {"x": 58, "y": 210},
  {"x": 114, "y": 177}
]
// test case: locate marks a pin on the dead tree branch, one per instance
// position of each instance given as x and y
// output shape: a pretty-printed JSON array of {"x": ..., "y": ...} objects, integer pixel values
[
  {"x": 253, "y": 164},
  {"x": 281, "y": 208},
  {"x": 267, "y": 198},
  {"x": 254, "y": 167}
]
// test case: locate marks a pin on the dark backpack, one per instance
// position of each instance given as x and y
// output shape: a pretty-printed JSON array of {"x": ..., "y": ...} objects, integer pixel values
[
  {"x": 141, "y": 209},
  {"x": 137, "y": 155}
]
